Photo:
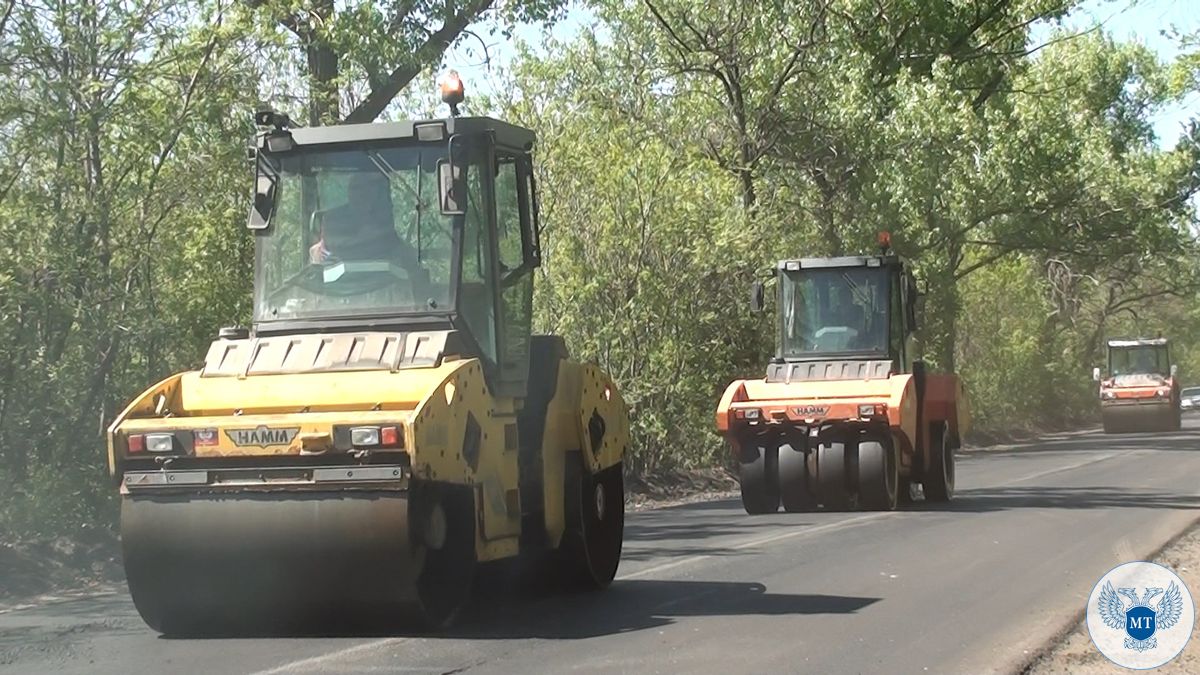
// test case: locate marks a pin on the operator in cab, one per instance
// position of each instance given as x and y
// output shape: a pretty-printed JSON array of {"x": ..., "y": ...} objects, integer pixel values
[
  {"x": 363, "y": 227},
  {"x": 1144, "y": 363}
]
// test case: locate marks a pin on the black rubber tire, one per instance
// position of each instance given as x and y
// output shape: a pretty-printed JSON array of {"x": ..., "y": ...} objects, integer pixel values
[
  {"x": 939, "y": 477},
  {"x": 833, "y": 471},
  {"x": 595, "y": 523},
  {"x": 878, "y": 475},
  {"x": 797, "y": 485},
  {"x": 760, "y": 482}
]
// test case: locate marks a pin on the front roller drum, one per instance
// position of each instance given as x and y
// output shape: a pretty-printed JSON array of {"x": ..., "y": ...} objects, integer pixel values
[
  {"x": 1140, "y": 418},
  {"x": 270, "y": 563}
]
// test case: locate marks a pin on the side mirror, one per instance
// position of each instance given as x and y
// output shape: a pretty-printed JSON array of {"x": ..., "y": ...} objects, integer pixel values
[
  {"x": 1096, "y": 374},
  {"x": 264, "y": 199},
  {"x": 1174, "y": 370},
  {"x": 452, "y": 193},
  {"x": 757, "y": 297}
]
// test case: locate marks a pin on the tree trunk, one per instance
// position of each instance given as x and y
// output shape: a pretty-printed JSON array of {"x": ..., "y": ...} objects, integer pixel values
[{"x": 324, "y": 107}]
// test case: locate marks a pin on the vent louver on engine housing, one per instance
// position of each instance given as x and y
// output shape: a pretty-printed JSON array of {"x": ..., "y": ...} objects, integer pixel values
[{"x": 807, "y": 371}]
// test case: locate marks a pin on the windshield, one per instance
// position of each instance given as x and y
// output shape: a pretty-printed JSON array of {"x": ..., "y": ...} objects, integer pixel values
[
  {"x": 1144, "y": 360},
  {"x": 1191, "y": 391},
  {"x": 834, "y": 310},
  {"x": 356, "y": 231}
]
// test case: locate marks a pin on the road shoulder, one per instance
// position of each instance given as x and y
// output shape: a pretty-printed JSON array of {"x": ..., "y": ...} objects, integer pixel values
[{"x": 1075, "y": 653}]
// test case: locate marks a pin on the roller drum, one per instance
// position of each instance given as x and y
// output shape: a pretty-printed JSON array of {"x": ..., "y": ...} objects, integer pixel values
[
  {"x": 228, "y": 563},
  {"x": 1138, "y": 417}
]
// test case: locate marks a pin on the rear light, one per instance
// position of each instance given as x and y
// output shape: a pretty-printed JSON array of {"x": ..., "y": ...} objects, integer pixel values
[
  {"x": 136, "y": 443},
  {"x": 390, "y": 436}
]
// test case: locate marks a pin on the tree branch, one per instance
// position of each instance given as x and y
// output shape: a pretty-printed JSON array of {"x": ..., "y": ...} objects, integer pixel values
[{"x": 432, "y": 49}]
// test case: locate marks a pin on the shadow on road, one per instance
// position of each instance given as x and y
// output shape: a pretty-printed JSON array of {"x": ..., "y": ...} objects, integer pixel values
[
  {"x": 638, "y": 604},
  {"x": 1097, "y": 497},
  {"x": 507, "y": 613}
]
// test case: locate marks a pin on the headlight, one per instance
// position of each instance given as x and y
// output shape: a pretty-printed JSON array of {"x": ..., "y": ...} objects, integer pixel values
[
  {"x": 753, "y": 413},
  {"x": 160, "y": 442},
  {"x": 1107, "y": 395},
  {"x": 360, "y": 436}
]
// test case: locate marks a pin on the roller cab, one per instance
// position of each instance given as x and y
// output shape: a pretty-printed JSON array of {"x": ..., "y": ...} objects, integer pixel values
[
  {"x": 387, "y": 422},
  {"x": 847, "y": 415},
  {"x": 1140, "y": 390}
]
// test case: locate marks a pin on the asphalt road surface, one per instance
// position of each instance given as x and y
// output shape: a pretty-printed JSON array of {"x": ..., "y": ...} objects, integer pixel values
[{"x": 975, "y": 587}]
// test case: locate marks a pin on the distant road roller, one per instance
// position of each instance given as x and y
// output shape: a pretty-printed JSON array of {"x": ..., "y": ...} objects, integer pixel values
[
  {"x": 388, "y": 422},
  {"x": 847, "y": 416},
  {"x": 1141, "y": 391}
]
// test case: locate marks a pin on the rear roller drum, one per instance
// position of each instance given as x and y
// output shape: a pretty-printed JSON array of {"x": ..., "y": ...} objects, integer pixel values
[
  {"x": 760, "y": 482},
  {"x": 445, "y": 528},
  {"x": 832, "y": 473},
  {"x": 595, "y": 512},
  {"x": 797, "y": 484},
  {"x": 939, "y": 477},
  {"x": 878, "y": 476}
]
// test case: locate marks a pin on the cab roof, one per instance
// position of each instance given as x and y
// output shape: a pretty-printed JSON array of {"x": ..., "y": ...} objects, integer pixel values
[
  {"x": 1138, "y": 342},
  {"x": 428, "y": 130},
  {"x": 795, "y": 264}
]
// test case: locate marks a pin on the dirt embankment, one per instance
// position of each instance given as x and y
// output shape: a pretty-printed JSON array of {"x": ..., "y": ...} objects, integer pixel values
[{"x": 41, "y": 568}]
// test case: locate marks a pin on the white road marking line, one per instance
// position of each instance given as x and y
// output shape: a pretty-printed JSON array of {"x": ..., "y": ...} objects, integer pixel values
[
  {"x": 758, "y": 542},
  {"x": 1060, "y": 469},
  {"x": 319, "y": 660}
]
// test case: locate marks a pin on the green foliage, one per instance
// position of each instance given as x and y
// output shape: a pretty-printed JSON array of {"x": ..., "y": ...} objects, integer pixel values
[{"x": 121, "y": 211}]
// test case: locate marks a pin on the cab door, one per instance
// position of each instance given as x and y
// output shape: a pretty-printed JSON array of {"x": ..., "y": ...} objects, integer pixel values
[{"x": 517, "y": 256}]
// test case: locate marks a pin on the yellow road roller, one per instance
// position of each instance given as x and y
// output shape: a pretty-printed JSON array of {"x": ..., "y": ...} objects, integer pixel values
[{"x": 387, "y": 423}]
